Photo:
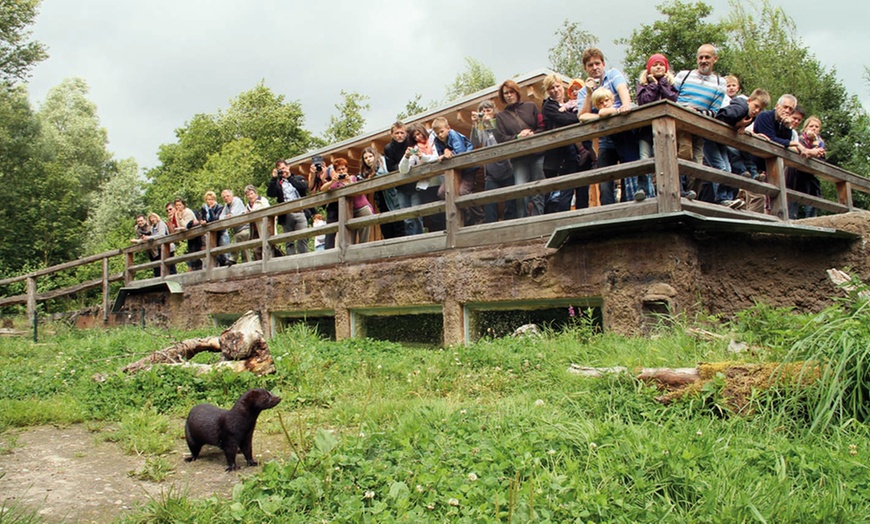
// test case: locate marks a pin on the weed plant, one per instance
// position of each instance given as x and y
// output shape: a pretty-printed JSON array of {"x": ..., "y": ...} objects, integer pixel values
[{"x": 498, "y": 431}]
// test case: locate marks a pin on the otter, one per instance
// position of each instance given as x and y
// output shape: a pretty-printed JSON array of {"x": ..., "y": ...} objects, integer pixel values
[{"x": 231, "y": 430}]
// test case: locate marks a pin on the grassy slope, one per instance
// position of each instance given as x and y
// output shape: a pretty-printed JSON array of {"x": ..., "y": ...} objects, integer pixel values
[{"x": 495, "y": 432}]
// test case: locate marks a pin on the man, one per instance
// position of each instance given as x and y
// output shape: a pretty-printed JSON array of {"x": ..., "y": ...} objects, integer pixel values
[
  {"x": 776, "y": 124},
  {"x": 142, "y": 233},
  {"x": 255, "y": 202},
  {"x": 619, "y": 147},
  {"x": 704, "y": 91},
  {"x": 285, "y": 187},
  {"x": 186, "y": 219},
  {"x": 393, "y": 153},
  {"x": 234, "y": 207}
]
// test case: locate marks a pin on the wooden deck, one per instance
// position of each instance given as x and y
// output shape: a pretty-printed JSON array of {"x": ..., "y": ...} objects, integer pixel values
[{"x": 548, "y": 231}]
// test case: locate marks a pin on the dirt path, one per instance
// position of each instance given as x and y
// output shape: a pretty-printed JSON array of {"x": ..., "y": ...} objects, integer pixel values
[{"x": 71, "y": 475}]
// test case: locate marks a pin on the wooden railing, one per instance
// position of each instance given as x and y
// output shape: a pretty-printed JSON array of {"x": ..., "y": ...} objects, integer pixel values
[{"x": 665, "y": 118}]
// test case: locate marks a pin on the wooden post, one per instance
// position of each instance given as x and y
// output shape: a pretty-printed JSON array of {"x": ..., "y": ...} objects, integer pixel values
[
  {"x": 844, "y": 194},
  {"x": 164, "y": 254},
  {"x": 128, "y": 274},
  {"x": 667, "y": 170},
  {"x": 210, "y": 261},
  {"x": 342, "y": 236},
  {"x": 451, "y": 213},
  {"x": 776, "y": 176},
  {"x": 265, "y": 233},
  {"x": 453, "y": 317},
  {"x": 105, "y": 290},
  {"x": 31, "y": 300}
]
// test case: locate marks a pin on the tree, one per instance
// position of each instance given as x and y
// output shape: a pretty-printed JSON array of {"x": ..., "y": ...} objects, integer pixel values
[
  {"x": 475, "y": 77},
  {"x": 243, "y": 141},
  {"x": 413, "y": 107},
  {"x": 17, "y": 55},
  {"x": 110, "y": 221},
  {"x": 678, "y": 37},
  {"x": 19, "y": 132},
  {"x": 566, "y": 55},
  {"x": 349, "y": 122}
]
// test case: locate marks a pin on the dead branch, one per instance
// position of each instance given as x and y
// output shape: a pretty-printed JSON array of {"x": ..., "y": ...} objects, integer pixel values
[{"x": 242, "y": 348}]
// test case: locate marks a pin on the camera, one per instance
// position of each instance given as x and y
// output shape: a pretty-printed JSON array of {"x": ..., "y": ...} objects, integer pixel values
[
  {"x": 342, "y": 177},
  {"x": 318, "y": 168},
  {"x": 415, "y": 151},
  {"x": 480, "y": 115}
]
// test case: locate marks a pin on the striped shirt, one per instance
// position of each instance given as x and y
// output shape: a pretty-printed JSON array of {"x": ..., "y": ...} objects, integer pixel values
[{"x": 703, "y": 93}]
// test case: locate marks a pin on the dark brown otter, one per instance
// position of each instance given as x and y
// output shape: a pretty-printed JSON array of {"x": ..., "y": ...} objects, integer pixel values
[{"x": 231, "y": 430}]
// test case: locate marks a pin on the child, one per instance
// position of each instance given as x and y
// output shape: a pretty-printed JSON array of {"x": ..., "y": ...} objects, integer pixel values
[
  {"x": 361, "y": 205},
  {"x": 319, "y": 240},
  {"x": 738, "y": 114},
  {"x": 732, "y": 87},
  {"x": 602, "y": 100},
  {"x": 814, "y": 147},
  {"x": 656, "y": 83},
  {"x": 449, "y": 142},
  {"x": 741, "y": 162}
]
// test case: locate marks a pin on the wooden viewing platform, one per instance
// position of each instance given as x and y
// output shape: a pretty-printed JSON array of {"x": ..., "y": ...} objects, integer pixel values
[{"x": 621, "y": 258}]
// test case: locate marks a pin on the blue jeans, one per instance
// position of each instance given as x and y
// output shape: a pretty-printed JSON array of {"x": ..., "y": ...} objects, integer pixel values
[
  {"x": 529, "y": 168},
  {"x": 410, "y": 197},
  {"x": 490, "y": 211},
  {"x": 716, "y": 156},
  {"x": 615, "y": 149}
]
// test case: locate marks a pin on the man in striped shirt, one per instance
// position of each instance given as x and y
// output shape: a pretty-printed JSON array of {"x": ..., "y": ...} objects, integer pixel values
[{"x": 703, "y": 91}]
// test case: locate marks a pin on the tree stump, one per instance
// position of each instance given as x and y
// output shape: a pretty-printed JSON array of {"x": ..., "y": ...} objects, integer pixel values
[{"x": 242, "y": 347}]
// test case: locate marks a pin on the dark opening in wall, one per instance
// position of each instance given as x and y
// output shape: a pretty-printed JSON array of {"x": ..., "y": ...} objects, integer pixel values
[
  {"x": 414, "y": 328},
  {"x": 497, "y": 320},
  {"x": 323, "y": 324}
]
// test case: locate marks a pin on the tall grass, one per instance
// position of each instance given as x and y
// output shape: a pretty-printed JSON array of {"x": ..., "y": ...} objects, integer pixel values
[{"x": 498, "y": 431}]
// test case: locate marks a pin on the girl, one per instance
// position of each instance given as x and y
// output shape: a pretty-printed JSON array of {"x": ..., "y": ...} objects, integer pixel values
[
  {"x": 655, "y": 83},
  {"x": 801, "y": 180},
  {"x": 373, "y": 165}
]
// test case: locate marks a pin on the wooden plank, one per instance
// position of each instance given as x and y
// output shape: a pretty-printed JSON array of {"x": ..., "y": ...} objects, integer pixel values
[
  {"x": 105, "y": 284},
  {"x": 776, "y": 176},
  {"x": 31, "y": 300},
  {"x": 451, "y": 212},
  {"x": 817, "y": 202},
  {"x": 844, "y": 194},
  {"x": 666, "y": 169}
]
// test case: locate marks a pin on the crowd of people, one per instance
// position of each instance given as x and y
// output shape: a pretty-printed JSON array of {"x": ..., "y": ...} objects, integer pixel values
[{"x": 604, "y": 93}]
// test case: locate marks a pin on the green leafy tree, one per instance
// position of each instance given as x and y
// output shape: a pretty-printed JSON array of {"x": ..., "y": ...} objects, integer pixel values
[
  {"x": 114, "y": 208},
  {"x": 229, "y": 149},
  {"x": 678, "y": 37},
  {"x": 70, "y": 164},
  {"x": 350, "y": 120},
  {"x": 17, "y": 54},
  {"x": 566, "y": 56},
  {"x": 475, "y": 77},
  {"x": 19, "y": 167},
  {"x": 413, "y": 107}
]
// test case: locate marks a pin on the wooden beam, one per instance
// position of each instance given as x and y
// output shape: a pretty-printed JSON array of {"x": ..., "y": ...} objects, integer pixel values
[{"x": 667, "y": 172}]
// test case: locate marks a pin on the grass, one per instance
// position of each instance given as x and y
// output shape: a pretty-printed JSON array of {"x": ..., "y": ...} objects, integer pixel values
[{"x": 494, "y": 432}]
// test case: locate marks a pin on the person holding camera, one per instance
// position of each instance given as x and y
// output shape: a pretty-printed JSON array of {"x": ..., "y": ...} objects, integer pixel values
[
  {"x": 286, "y": 187},
  {"x": 497, "y": 174},
  {"x": 361, "y": 205},
  {"x": 320, "y": 179}
]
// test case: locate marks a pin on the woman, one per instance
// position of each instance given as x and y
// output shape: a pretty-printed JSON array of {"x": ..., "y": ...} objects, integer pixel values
[
  {"x": 361, "y": 205},
  {"x": 520, "y": 120},
  {"x": 210, "y": 212},
  {"x": 387, "y": 200},
  {"x": 558, "y": 111},
  {"x": 814, "y": 147},
  {"x": 421, "y": 151},
  {"x": 497, "y": 174}
]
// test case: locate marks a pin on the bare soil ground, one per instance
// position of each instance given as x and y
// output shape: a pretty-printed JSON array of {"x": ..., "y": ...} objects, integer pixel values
[{"x": 70, "y": 474}]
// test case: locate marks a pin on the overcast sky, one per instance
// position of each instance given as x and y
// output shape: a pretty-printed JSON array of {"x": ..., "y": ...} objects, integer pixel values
[{"x": 153, "y": 64}]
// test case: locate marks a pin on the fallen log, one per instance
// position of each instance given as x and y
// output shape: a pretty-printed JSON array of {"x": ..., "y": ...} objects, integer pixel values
[{"x": 242, "y": 347}]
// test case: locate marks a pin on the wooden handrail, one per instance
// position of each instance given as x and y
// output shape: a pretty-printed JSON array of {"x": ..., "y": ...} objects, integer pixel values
[{"x": 665, "y": 118}]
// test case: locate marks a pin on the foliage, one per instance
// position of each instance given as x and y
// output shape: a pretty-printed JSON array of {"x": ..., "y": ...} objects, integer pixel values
[
  {"x": 349, "y": 122},
  {"x": 498, "y": 430},
  {"x": 475, "y": 77},
  {"x": 108, "y": 225},
  {"x": 17, "y": 54},
  {"x": 143, "y": 432},
  {"x": 839, "y": 338},
  {"x": 230, "y": 149},
  {"x": 155, "y": 469},
  {"x": 413, "y": 107},
  {"x": 19, "y": 132},
  {"x": 566, "y": 56},
  {"x": 678, "y": 37}
]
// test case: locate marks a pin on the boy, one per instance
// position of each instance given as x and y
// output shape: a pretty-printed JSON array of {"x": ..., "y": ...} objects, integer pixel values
[
  {"x": 738, "y": 114},
  {"x": 449, "y": 142}
]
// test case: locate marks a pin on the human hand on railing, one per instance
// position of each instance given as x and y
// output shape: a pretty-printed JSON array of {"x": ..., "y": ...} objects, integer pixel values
[{"x": 448, "y": 154}]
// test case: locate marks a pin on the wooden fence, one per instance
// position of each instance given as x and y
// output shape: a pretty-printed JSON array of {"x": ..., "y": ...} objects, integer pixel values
[{"x": 665, "y": 118}]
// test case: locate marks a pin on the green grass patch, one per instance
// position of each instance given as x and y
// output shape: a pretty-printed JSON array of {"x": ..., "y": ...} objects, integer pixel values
[{"x": 498, "y": 431}]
